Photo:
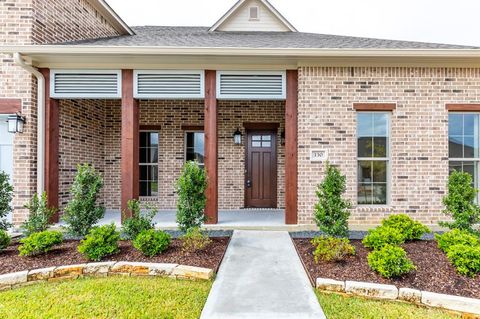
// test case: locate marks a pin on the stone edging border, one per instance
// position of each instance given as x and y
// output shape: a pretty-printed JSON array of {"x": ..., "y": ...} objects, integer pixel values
[
  {"x": 379, "y": 291},
  {"x": 103, "y": 269}
]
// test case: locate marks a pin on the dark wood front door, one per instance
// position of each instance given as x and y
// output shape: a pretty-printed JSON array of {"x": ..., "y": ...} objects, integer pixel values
[{"x": 261, "y": 169}]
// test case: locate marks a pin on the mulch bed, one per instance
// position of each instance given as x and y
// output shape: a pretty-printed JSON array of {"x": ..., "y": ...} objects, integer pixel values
[
  {"x": 67, "y": 254},
  {"x": 434, "y": 272}
]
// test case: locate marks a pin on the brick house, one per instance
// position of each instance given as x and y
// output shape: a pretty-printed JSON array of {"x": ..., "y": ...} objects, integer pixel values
[{"x": 259, "y": 104}]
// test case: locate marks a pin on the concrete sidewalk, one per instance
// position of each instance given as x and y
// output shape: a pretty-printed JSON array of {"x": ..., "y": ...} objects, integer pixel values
[{"x": 261, "y": 276}]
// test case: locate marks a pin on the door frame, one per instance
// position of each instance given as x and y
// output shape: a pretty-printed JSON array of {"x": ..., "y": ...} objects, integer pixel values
[{"x": 261, "y": 127}]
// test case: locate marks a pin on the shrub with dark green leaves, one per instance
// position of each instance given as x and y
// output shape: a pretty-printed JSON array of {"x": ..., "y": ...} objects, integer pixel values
[
  {"x": 6, "y": 195},
  {"x": 4, "y": 240},
  {"x": 191, "y": 186},
  {"x": 40, "y": 243},
  {"x": 195, "y": 240},
  {"x": 332, "y": 210},
  {"x": 465, "y": 258},
  {"x": 390, "y": 261},
  {"x": 456, "y": 237},
  {"x": 460, "y": 203},
  {"x": 332, "y": 248},
  {"x": 38, "y": 215},
  {"x": 151, "y": 242},
  {"x": 382, "y": 236},
  {"x": 82, "y": 211},
  {"x": 100, "y": 242},
  {"x": 138, "y": 222},
  {"x": 410, "y": 228}
]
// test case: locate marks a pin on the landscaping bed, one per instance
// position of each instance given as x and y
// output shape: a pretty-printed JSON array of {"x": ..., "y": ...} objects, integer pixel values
[
  {"x": 67, "y": 254},
  {"x": 434, "y": 272}
]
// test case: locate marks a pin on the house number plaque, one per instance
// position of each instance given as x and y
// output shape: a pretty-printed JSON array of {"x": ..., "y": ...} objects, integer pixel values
[{"x": 318, "y": 155}]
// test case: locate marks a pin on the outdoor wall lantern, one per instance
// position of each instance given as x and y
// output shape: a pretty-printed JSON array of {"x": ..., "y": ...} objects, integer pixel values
[
  {"x": 15, "y": 123},
  {"x": 282, "y": 138},
  {"x": 237, "y": 137}
]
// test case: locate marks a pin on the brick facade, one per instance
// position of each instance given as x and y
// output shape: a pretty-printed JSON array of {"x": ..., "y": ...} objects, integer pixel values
[{"x": 419, "y": 133}]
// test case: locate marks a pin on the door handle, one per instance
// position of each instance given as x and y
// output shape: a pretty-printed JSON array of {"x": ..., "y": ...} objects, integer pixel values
[{"x": 249, "y": 183}]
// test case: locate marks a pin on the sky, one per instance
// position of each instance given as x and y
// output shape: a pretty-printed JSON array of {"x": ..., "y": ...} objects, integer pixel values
[{"x": 440, "y": 21}]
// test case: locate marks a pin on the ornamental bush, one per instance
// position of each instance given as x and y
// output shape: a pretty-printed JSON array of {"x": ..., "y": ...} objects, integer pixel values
[
  {"x": 6, "y": 195},
  {"x": 332, "y": 211},
  {"x": 40, "y": 243},
  {"x": 38, "y": 215},
  {"x": 152, "y": 243},
  {"x": 332, "y": 248},
  {"x": 137, "y": 223},
  {"x": 191, "y": 187},
  {"x": 4, "y": 240},
  {"x": 100, "y": 242},
  {"x": 195, "y": 240},
  {"x": 390, "y": 261},
  {"x": 410, "y": 229},
  {"x": 456, "y": 237},
  {"x": 465, "y": 258},
  {"x": 460, "y": 202},
  {"x": 82, "y": 211},
  {"x": 382, "y": 236}
]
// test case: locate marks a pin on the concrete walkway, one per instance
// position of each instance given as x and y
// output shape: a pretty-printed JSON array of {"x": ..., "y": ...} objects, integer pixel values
[{"x": 261, "y": 276}]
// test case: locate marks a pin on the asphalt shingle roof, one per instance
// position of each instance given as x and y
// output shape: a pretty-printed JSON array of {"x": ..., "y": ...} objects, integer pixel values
[{"x": 201, "y": 37}]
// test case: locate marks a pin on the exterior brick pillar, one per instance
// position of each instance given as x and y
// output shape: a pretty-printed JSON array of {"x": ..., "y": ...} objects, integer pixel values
[
  {"x": 52, "y": 145},
  {"x": 291, "y": 149},
  {"x": 130, "y": 140},
  {"x": 211, "y": 146}
]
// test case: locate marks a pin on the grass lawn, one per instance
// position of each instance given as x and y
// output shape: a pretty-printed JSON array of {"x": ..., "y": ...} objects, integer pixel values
[
  {"x": 345, "y": 307},
  {"x": 111, "y": 297}
]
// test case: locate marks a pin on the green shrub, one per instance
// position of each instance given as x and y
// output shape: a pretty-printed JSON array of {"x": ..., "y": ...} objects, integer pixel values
[
  {"x": 6, "y": 195},
  {"x": 191, "y": 187},
  {"x": 195, "y": 240},
  {"x": 137, "y": 223},
  {"x": 381, "y": 236},
  {"x": 40, "y": 243},
  {"x": 390, "y": 261},
  {"x": 38, "y": 215},
  {"x": 4, "y": 240},
  {"x": 465, "y": 258},
  {"x": 456, "y": 237},
  {"x": 152, "y": 243},
  {"x": 332, "y": 248},
  {"x": 82, "y": 211},
  {"x": 332, "y": 211},
  {"x": 460, "y": 202},
  {"x": 100, "y": 242},
  {"x": 408, "y": 227}
]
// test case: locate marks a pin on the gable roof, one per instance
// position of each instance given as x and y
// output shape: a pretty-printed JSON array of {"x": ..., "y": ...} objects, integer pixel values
[
  {"x": 237, "y": 6},
  {"x": 200, "y": 37},
  {"x": 111, "y": 16}
]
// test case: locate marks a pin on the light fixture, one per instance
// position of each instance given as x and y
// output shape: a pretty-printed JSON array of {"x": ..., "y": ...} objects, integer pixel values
[
  {"x": 15, "y": 123},
  {"x": 282, "y": 138},
  {"x": 237, "y": 137}
]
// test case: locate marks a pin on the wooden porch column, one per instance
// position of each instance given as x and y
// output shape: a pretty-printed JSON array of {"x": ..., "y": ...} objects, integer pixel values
[
  {"x": 211, "y": 146},
  {"x": 129, "y": 143},
  {"x": 52, "y": 144},
  {"x": 291, "y": 144}
]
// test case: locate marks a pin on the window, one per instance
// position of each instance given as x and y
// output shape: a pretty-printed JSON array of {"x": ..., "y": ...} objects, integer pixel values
[
  {"x": 194, "y": 147},
  {"x": 148, "y": 164},
  {"x": 373, "y": 157},
  {"x": 254, "y": 13},
  {"x": 463, "y": 143}
]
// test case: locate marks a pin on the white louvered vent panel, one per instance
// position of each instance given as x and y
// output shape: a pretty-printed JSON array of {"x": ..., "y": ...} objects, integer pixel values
[
  {"x": 251, "y": 86},
  {"x": 86, "y": 84},
  {"x": 169, "y": 84}
]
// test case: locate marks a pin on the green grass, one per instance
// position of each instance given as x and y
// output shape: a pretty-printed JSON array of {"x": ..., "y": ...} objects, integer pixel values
[
  {"x": 338, "y": 306},
  {"x": 112, "y": 297}
]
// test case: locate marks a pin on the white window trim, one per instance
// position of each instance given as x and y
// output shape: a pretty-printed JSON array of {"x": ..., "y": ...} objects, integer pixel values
[
  {"x": 250, "y": 15},
  {"x": 185, "y": 143},
  {"x": 117, "y": 95},
  {"x": 384, "y": 159},
  {"x": 201, "y": 95},
  {"x": 151, "y": 164},
  {"x": 221, "y": 96}
]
